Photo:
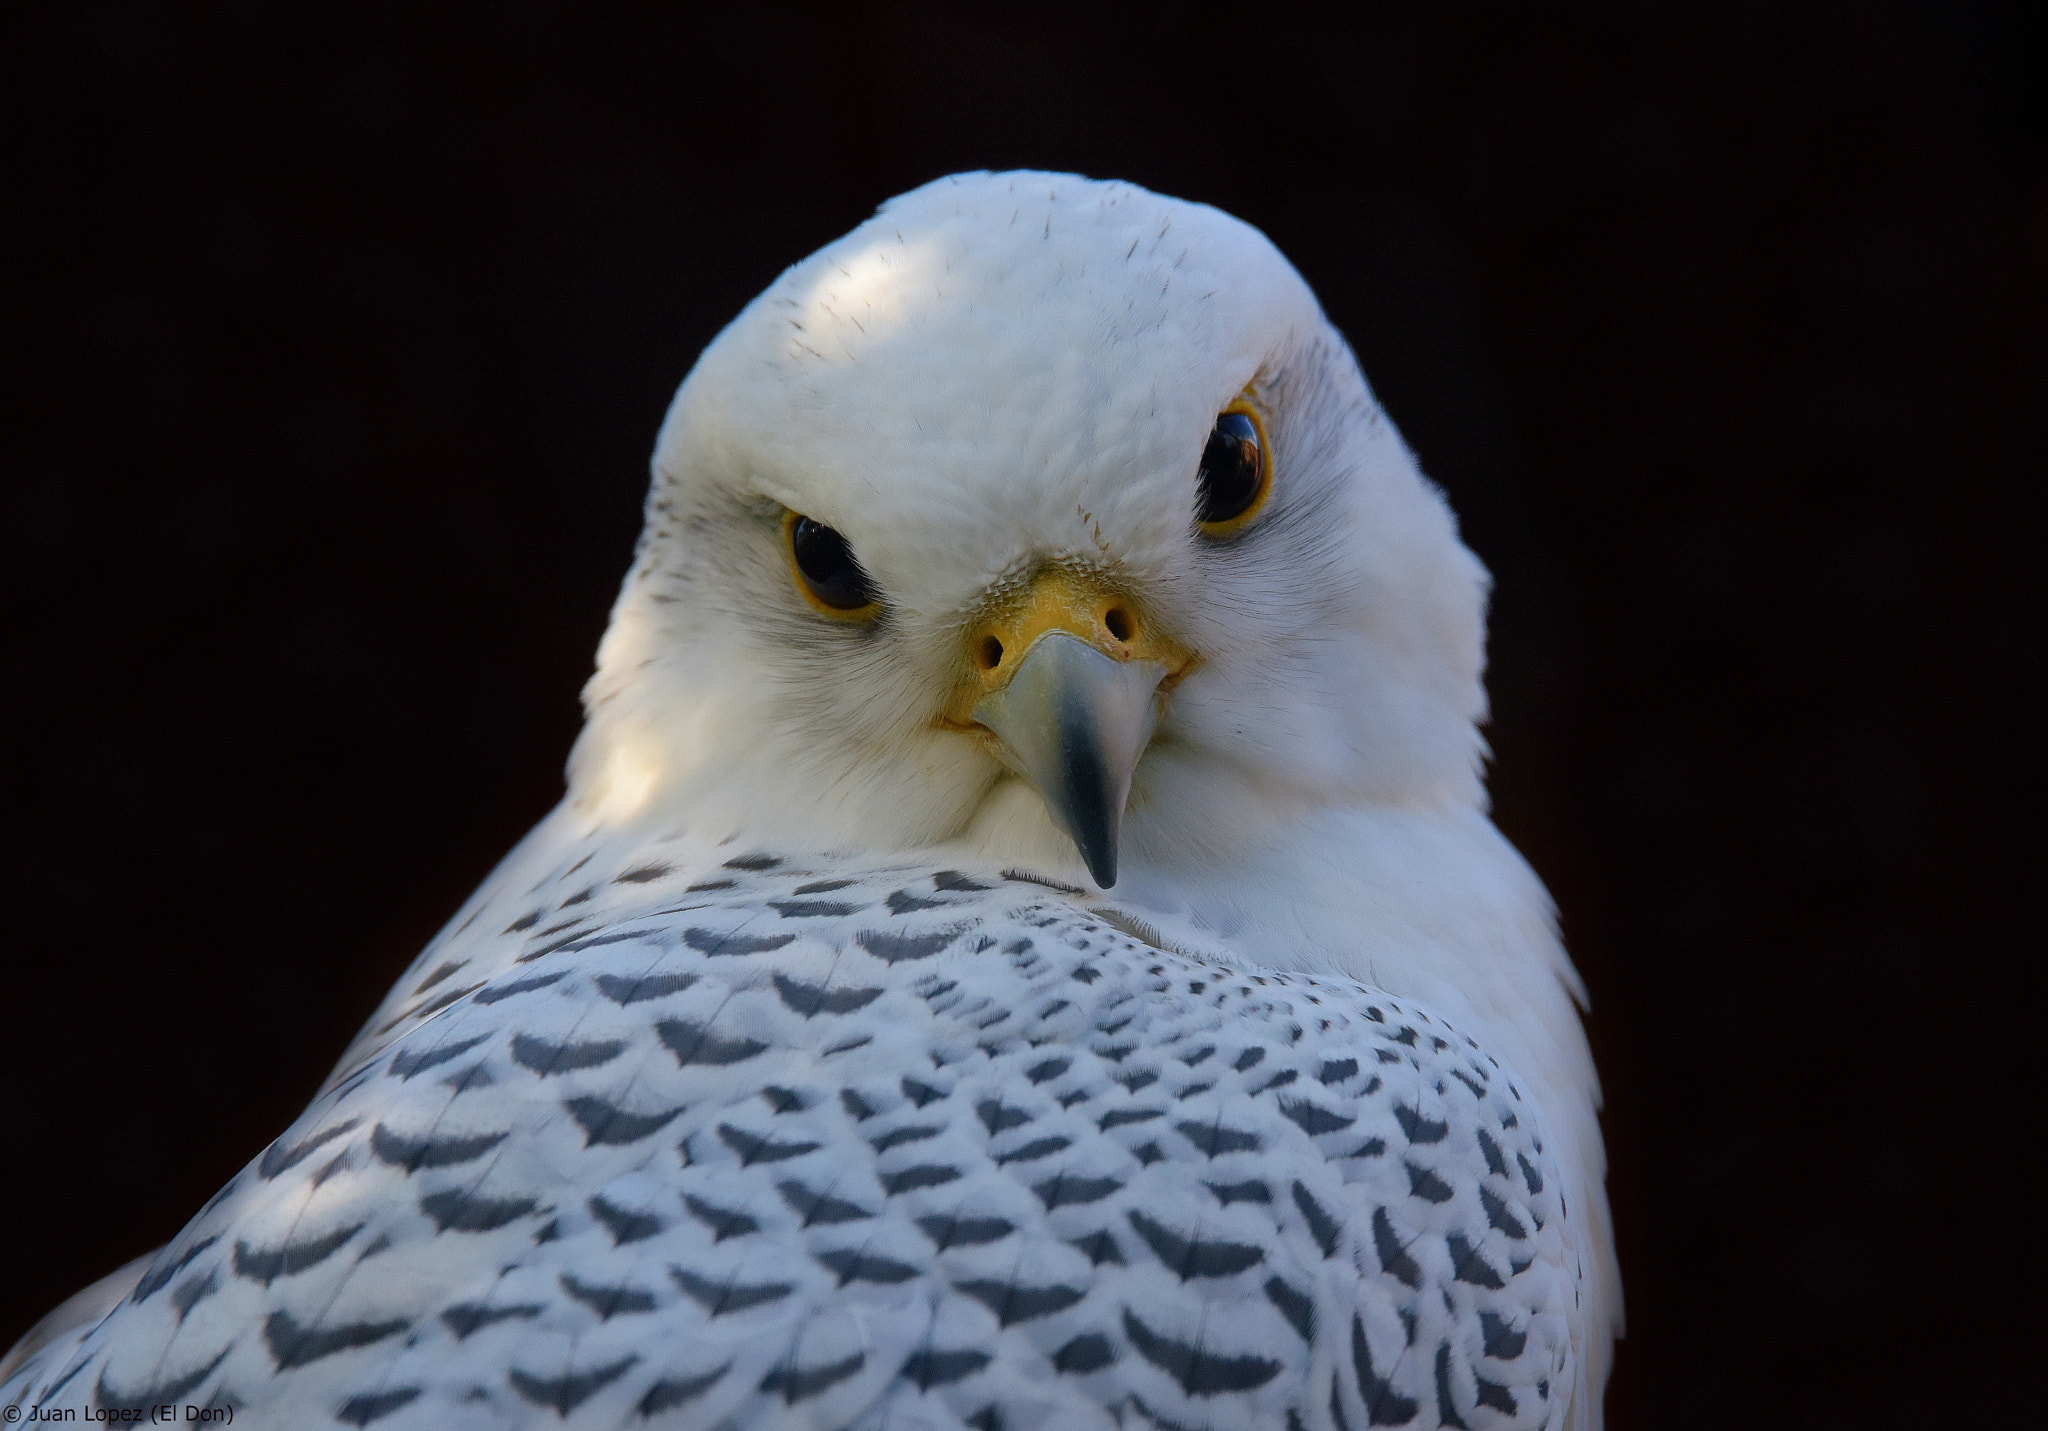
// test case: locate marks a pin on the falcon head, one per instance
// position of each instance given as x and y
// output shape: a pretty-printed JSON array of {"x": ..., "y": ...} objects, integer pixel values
[{"x": 1045, "y": 515}]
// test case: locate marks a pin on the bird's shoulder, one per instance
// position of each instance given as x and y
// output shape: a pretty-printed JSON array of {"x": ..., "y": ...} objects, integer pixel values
[{"x": 771, "y": 1142}]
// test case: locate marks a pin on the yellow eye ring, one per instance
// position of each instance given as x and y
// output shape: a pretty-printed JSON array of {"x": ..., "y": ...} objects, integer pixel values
[
  {"x": 825, "y": 570},
  {"x": 1236, "y": 473}
]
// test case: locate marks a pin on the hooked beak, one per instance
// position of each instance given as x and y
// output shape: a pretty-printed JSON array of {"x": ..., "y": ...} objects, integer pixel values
[
  {"x": 1073, "y": 722},
  {"x": 1070, "y": 680}
]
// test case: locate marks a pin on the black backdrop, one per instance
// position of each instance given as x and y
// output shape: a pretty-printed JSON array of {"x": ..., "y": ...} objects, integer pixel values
[{"x": 342, "y": 333}]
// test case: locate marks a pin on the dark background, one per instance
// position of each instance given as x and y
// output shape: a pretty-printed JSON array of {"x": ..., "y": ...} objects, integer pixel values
[{"x": 341, "y": 335}]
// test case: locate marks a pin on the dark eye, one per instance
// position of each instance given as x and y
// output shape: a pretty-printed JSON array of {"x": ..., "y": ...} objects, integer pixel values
[
  {"x": 1233, "y": 476},
  {"x": 826, "y": 566}
]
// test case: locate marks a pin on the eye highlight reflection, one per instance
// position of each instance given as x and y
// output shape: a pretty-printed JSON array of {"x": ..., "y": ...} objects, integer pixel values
[{"x": 1236, "y": 472}]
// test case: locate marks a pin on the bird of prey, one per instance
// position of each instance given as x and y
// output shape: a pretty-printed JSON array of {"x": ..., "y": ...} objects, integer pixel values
[{"x": 1022, "y": 947}]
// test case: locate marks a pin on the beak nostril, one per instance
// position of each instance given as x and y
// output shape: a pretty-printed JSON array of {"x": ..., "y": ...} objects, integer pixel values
[
  {"x": 1118, "y": 621},
  {"x": 988, "y": 653}
]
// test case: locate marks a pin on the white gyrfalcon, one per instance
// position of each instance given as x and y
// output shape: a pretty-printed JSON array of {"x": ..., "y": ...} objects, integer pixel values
[{"x": 1023, "y": 946}]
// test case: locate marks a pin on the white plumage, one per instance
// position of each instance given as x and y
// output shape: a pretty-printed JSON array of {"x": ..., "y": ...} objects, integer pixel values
[{"x": 798, "y": 1072}]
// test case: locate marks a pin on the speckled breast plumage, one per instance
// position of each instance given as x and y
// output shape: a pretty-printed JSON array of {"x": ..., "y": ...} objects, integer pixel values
[{"x": 751, "y": 1145}]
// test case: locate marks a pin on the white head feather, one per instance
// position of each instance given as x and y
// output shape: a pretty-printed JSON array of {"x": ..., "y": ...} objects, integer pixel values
[{"x": 993, "y": 371}]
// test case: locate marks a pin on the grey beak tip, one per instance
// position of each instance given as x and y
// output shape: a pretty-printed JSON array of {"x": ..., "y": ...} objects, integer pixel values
[{"x": 1102, "y": 865}]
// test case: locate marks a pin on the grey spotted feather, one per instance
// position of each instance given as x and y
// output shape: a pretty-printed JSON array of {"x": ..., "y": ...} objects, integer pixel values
[{"x": 751, "y": 1146}]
